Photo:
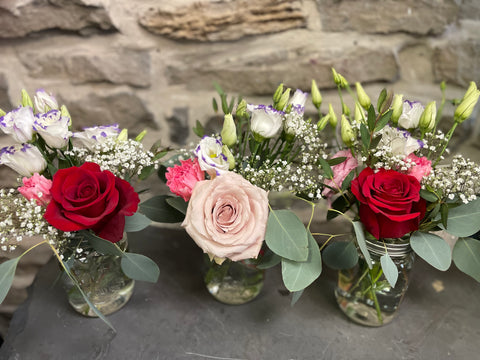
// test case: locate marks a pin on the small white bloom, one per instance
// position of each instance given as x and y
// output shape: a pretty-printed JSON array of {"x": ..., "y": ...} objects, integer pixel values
[
  {"x": 210, "y": 156},
  {"x": 412, "y": 110},
  {"x": 19, "y": 124},
  {"x": 265, "y": 121},
  {"x": 53, "y": 128},
  {"x": 24, "y": 159},
  {"x": 44, "y": 101}
]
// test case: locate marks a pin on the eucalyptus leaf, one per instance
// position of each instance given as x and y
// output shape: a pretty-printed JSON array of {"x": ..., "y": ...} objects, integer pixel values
[
  {"x": 178, "y": 203},
  {"x": 269, "y": 260},
  {"x": 286, "y": 235},
  {"x": 157, "y": 209},
  {"x": 7, "y": 273},
  {"x": 432, "y": 248},
  {"x": 136, "y": 222},
  {"x": 297, "y": 275},
  {"x": 140, "y": 267},
  {"x": 296, "y": 296},
  {"x": 360, "y": 235},
  {"x": 466, "y": 256},
  {"x": 389, "y": 269},
  {"x": 464, "y": 220},
  {"x": 340, "y": 255},
  {"x": 102, "y": 246}
]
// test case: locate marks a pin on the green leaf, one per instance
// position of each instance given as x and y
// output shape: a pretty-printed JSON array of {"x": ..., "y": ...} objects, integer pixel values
[
  {"x": 389, "y": 269},
  {"x": 466, "y": 256},
  {"x": 340, "y": 255},
  {"x": 359, "y": 234},
  {"x": 269, "y": 260},
  {"x": 464, "y": 220},
  {"x": 297, "y": 275},
  {"x": 381, "y": 99},
  {"x": 198, "y": 129},
  {"x": 7, "y": 273},
  {"x": 444, "y": 214},
  {"x": 102, "y": 246},
  {"x": 348, "y": 180},
  {"x": 136, "y": 222},
  {"x": 157, "y": 209},
  {"x": 326, "y": 168},
  {"x": 432, "y": 248},
  {"x": 139, "y": 267},
  {"x": 296, "y": 296},
  {"x": 429, "y": 196},
  {"x": 214, "y": 105},
  {"x": 375, "y": 141},
  {"x": 336, "y": 161},
  {"x": 286, "y": 235},
  {"x": 178, "y": 203},
  {"x": 383, "y": 121},
  {"x": 371, "y": 119},
  {"x": 146, "y": 172},
  {"x": 340, "y": 204},
  {"x": 218, "y": 88},
  {"x": 365, "y": 135}
]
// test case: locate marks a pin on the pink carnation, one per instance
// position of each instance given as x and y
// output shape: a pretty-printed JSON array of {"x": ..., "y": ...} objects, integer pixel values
[
  {"x": 340, "y": 172},
  {"x": 36, "y": 187},
  {"x": 182, "y": 178},
  {"x": 421, "y": 166}
]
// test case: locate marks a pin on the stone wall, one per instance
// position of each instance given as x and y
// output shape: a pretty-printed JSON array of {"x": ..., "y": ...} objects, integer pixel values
[{"x": 152, "y": 64}]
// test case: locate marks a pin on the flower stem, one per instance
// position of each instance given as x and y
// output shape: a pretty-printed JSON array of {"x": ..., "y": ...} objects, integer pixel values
[{"x": 374, "y": 294}]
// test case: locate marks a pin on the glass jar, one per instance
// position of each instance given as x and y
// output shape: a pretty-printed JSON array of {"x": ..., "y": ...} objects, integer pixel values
[
  {"x": 234, "y": 282},
  {"x": 101, "y": 279},
  {"x": 364, "y": 294}
]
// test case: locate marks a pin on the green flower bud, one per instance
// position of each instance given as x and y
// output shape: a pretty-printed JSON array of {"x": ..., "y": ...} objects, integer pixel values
[
  {"x": 123, "y": 136},
  {"x": 229, "y": 130},
  {"x": 359, "y": 113},
  {"x": 26, "y": 100},
  {"x": 230, "y": 158},
  {"x": 348, "y": 136},
  {"x": 323, "y": 122},
  {"x": 466, "y": 106},
  {"x": 283, "y": 100},
  {"x": 278, "y": 94},
  {"x": 397, "y": 108},
  {"x": 363, "y": 98},
  {"x": 339, "y": 79},
  {"x": 64, "y": 112},
  {"x": 443, "y": 85},
  {"x": 345, "y": 109},
  {"x": 332, "y": 117},
  {"x": 242, "y": 108},
  {"x": 427, "y": 119},
  {"x": 2, "y": 113},
  {"x": 140, "y": 136},
  {"x": 316, "y": 96}
]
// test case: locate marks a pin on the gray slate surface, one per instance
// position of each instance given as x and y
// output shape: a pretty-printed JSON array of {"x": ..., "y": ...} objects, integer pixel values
[{"x": 177, "y": 319}]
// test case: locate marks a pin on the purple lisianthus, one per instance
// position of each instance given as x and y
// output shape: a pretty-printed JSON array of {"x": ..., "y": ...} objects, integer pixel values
[
  {"x": 265, "y": 121},
  {"x": 91, "y": 136},
  {"x": 53, "y": 128},
  {"x": 19, "y": 124},
  {"x": 25, "y": 159},
  {"x": 412, "y": 110},
  {"x": 210, "y": 156}
]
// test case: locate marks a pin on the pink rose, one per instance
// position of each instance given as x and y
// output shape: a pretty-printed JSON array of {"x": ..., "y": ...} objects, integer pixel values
[
  {"x": 340, "y": 172},
  {"x": 36, "y": 187},
  {"x": 421, "y": 166},
  {"x": 227, "y": 217},
  {"x": 182, "y": 178}
]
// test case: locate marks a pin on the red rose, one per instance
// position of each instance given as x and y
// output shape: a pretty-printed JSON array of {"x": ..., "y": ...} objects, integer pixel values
[
  {"x": 390, "y": 202},
  {"x": 87, "y": 198}
]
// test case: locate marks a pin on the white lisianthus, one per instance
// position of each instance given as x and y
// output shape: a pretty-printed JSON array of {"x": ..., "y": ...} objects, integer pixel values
[
  {"x": 265, "y": 121},
  {"x": 19, "y": 124},
  {"x": 25, "y": 159},
  {"x": 400, "y": 142},
  {"x": 94, "y": 135},
  {"x": 210, "y": 156},
  {"x": 412, "y": 110},
  {"x": 299, "y": 98},
  {"x": 53, "y": 128},
  {"x": 44, "y": 101}
]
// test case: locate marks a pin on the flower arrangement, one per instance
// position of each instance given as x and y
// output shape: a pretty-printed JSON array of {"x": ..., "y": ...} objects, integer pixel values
[
  {"x": 76, "y": 192},
  {"x": 223, "y": 185},
  {"x": 400, "y": 188}
]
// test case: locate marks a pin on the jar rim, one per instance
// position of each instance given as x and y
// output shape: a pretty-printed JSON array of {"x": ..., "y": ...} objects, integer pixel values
[{"x": 394, "y": 250}]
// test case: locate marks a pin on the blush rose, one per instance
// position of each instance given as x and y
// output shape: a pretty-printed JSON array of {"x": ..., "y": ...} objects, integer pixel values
[
  {"x": 390, "y": 202},
  {"x": 36, "y": 187},
  {"x": 87, "y": 198},
  {"x": 227, "y": 217},
  {"x": 182, "y": 178}
]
